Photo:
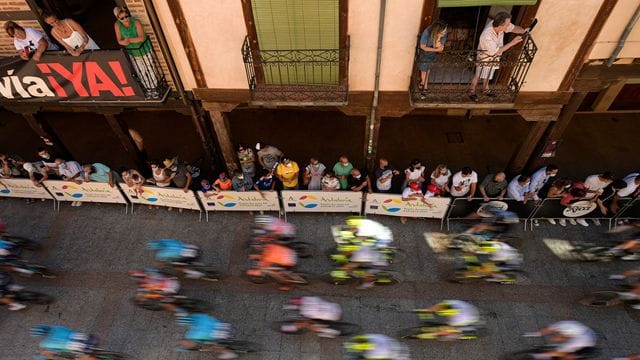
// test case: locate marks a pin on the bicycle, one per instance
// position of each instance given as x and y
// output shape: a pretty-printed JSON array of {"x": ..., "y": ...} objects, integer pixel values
[
  {"x": 340, "y": 254},
  {"x": 195, "y": 270},
  {"x": 342, "y": 277},
  {"x": 30, "y": 297},
  {"x": 433, "y": 325},
  {"x": 157, "y": 302},
  {"x": 26, "y": 269},
  {"x": 297, "y": 324},
  {"x": 610, "y": 298},
  {"x": 260, "y": 275}
]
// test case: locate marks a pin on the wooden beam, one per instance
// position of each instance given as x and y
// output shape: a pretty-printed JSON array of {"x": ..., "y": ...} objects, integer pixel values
[
  {"x": 429, "y": 13},
  {"x": 223, "y": 134},
  {"x": 608, "y": 95},
  {"x": 121, "y": 130},
  {"x": 187, "y": 42},
  {"x": 46, "y": 134},
  {"x": 582, "y": 55},
  {"x": 343, "y": 24},
  {"x": 252, "y": 36},
  {"x": 546, "y": 114},
  {"x": 527, "y": 148}
]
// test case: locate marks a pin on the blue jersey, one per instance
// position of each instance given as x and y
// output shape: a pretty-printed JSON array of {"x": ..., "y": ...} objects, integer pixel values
[
  {"x": 7, "y": 249},
  {"x": 204, "y": 328},
  {"x": 58, "y": 339},
  {"x": 168, "y": 249}
]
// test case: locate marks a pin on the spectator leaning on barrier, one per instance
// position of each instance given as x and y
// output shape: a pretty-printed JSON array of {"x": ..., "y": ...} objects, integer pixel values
[
  {"x": 384, "y": 174},
  {"x": 247, "y": 161},
  {"x": 268, "y": 156},
  {"x": 494, "y": 186},
  {"x": 265, "y": 182},
  {"x": 464, "y": 183},
  {"x": 358, "y": 180},
  {"x": 633, "y": 182},
  {"x": 48, "y": 159},
  {"x": 70, "y": 171},
  {"x": 518, "y": 188},
  {"x": 412, "y": 191},
  {"x": 440, "y": 178},
  {"x": 240, "y": 182},
  {"x": 133, "y": 179},
  {"x": 330, "y": 182},
  {"x": 36, "y": 170},
  {"x": 415, "y": 172},
  {"x": 287, "y": 171},
  {"x": 558, "y": 190},
  {"x": 577, "y": 192},
  {"x": 70, "y": 34},
  {"x": 10, "y": 166},
  {"x": 28, "y": 41},
  {"x": 161, "y": 177},
  {"x": 313, "y": 174},
  {"x": 595, "y": 185},
  {"x": 223, "y": 183},
  {"x": 608, "y": 195},
  {"x": 180, "y": 171},
  {"x": 342, "y": 169},
  {"x": 540, "y": 178},
  {"x": 98, "y": 172}
]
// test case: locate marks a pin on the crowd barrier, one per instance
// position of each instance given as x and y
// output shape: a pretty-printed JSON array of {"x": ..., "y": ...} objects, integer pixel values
[
  {"x": 583, "y": 209},
  {"x": 628, "y": 209},
  {"x": 162, "y": 196},
  {"x": 239, "y": 201},
  {"x": 321, "y": 201},
  {"x": 393, "y": 205},
  {"x": 24, "y": 188},
  {"x": 85, "y": 192},
  {"x": 463, "y": 209}
]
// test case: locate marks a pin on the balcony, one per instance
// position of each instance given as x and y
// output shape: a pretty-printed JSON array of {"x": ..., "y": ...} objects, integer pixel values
[
  {"x": 297, "y": 77},
  {"x": 451, "y": 74}
]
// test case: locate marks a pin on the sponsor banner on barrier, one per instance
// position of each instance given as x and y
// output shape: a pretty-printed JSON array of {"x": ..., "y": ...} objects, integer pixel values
[
  {"x": 22, "y": 188},
  {"x": 157, "y": 196},
  {"x": 321, "y": 201},
  {"x": 579, "y": 209},
  {"x": 389, "y": 204},
  {"x": 485, "y": 209},
  {"x": 240, "y": 201},
  {"x": 84, "y": 192}
]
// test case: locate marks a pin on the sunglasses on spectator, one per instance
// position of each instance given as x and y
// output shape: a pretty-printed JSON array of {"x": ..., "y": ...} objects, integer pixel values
[{"x": 124, "y": 17}]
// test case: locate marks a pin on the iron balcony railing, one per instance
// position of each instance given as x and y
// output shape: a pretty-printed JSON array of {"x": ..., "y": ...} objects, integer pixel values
[
  {"x": 451, "y": 74},
  {"x": 147, "y": 70},
  {"x": 297, "y": 76}
]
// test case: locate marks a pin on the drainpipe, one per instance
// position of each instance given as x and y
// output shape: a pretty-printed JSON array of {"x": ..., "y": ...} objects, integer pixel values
[
  {"x": 624, "y": 37},
  {"x": 376, "y": 86}
]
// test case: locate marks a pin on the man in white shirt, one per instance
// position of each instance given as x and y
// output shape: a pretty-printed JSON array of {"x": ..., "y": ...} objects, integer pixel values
[
  {"x": 464, "y": 183},
  {"x": 595, "y": 185},
  {"x": 28, "y": 41},
  {"x": 633, "y": 182},
  {"x": 70, "y": 171},
  {"x": 540, "y": 178},
  {"x": 518, "y": 188},
  {"x": 490, "y": 47}
]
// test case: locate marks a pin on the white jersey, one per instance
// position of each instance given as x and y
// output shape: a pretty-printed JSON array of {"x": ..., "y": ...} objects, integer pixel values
[
  {"x": 313, "y": 307},
  {"x": 467, "y": 314},
  {"x": 505, "y": 253},
  {"x": 366, "y": 254},
  {"x": 580, "y": 336},
  {"x": 385, "y": 347},
  {"x": 372, "y": 229}
]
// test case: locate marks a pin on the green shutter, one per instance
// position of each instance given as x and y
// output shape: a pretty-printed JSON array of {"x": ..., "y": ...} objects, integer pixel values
[
  {"x": 460, "y": 3},
  {"x": 297, "y": 25}
]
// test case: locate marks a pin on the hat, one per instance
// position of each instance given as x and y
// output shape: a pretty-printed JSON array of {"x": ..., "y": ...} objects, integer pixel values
[
  {"x": 117, "y": 10},
  {"x": 414, "y": 185},
  {"x": 433, "y": 189}
]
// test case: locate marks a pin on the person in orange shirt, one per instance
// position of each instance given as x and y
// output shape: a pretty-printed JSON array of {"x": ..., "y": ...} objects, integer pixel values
[
  {"x": 222, "y": 183},
  {"x": 287, "y": 171}
]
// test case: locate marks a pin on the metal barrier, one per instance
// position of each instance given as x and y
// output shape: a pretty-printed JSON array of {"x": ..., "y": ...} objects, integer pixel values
[
  {"x": 321, "y": 201},
  {"x": 24, "y": 188},
  {"x": 630, "y": 210},
  {"x": 583, "y": 209},
  {"x": 162, "y": 196},
  {"x": 393, "y": 205},
  {"x": 462, "y": 209},
  {"x": 97, "y": 192},
  {"x": 239, "y": 201}
]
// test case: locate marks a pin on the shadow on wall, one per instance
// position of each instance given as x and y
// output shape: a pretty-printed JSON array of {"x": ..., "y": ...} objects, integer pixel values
[{"x": 17, "y": 137}]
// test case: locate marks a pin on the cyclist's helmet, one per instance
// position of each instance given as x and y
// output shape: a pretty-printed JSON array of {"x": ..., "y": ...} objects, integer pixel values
[
  {"x": 354, "y": 220},
  {"x": 507, "y": 217},
  {"x": 446, "y": 310},
  {"x": 488, "y": 247},
  {"x": 263, "y": 219},
  {"x": 40, "y": 330},
  {"x": 359, "y": 344}
]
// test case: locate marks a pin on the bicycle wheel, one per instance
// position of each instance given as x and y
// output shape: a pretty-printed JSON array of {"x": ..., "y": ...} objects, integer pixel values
[
  {"x": 209, "y": 273},
  {"x": 345, "y": 328},
  {"x": 388, "y": 278},
  {"x": 240, "y": 346},
  {"x": 303, "y": 249},
  {"x": 287, "y": 327},
  {"x": 329, "y": 278},
  {"x": 43, "y": 271},
  {"x": 34, "y": 297},
  {"x": 601, "y": 299},
  {"x": 412, "y": 333},
  {"x": 193, "y": 305},
  {"x": 396, "y": 256},
  {"x": 297, "y": 278},
  {"x": 24, "y": 242},
  {"x": 148, "y": 304},
  {"x": 460, "y": 277}
]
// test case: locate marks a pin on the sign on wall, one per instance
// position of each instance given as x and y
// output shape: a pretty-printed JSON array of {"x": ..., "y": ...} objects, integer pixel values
[
  {"x": 393, "y": 205},
  {"x": 157, "y": 196},
  {"x": 240, "y": 201},
  {"x": 84, "y": 192},
  {"x": 321, "y": 201},
  {"x": 22, "y": 188}
]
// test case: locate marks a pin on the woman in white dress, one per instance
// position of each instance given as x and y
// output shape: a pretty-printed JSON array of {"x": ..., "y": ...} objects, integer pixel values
[{"x": 70, "y": 34}]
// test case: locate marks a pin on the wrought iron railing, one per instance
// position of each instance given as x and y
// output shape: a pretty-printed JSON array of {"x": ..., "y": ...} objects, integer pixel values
[
  {"x": 451, "y": 73},
  {"x": 147, "y": 70},
  {"x": 297, "y": 76}
]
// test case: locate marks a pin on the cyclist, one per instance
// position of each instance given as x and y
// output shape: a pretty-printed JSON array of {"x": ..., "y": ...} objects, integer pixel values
[
  {"x": 459, "y": 316},
  {"x": 316, "y": 314},
  {"x": 175, "y": 252},
  {"x": 203, "y": 330},
  {"x": 153, "y": 282},
  {"x": 271, "y": 226},
  {"x": 499, "y": 224},
  {"x": 572, "y": 340},
  {"x": 7, "y": 288},
  {"x": 634, "y": 292},
  {"x": 493, "y": 257},
  {"x": 368, "y": 229},
  {"x": 8, "y": 251},
  {"x": 60, "y": 340},
  {"x": 630, "y": 247},
  {"x": 375, "y": 346},
  {"x": 369, "y": 259}
]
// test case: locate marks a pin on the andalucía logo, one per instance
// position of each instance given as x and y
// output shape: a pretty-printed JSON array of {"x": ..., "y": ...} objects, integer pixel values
[
  {"x": 149, "y": 195},
  {"x": 389, "y": 207},
  {"x": 72, "y": 191},
  {"x": 3, "y": 188},
  {"x": 224, "y": 202},
  {"x": 308, "y": 201}
]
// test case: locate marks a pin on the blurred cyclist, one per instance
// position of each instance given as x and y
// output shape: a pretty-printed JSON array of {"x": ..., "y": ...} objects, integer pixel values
[
  {"x": 572, "y": 340},
  {"x": 366, "y": 229},
  {"x": 369, "y": 259},
  {"x": 316, "y": 314},
  {"x": 459, "y": 316},
  {"x": 494, "y": 257},
  {"x": 633, "y": 278},
  {"x": 62, "y": 341},
  {"x": 204, "y": 330},
  {"x": 153, "y": 282},
  {"x": 8, "y": 251},
  {"x": 273, "y": 227},
  {"x": 375, "y": 346},
  {"x": 499, "y": 224},
  {"x": 7, "y": 288},
  {"x": 176, "y": 253}
]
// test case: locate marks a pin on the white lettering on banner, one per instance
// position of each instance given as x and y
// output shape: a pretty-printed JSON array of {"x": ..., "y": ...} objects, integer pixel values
[
  {"x": 85, "y": 192},
  {"x": 483, "y": 210},
  {"x": 157, "y": 196},
  {"x": 393, "y": 205},
  {"x": 321, "y": 201},
  {"x": 22, "y": 188},
  {"x": 579, "y": 208},
  {"x": 240, "y": 201}
]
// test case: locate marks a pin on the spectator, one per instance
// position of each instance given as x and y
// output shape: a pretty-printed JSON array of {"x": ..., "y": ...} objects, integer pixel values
[
  {"x": 490, "y": 47},
  {"x": 70, "y": 34},
  {"x": 633, "y": 181},
  {"x": 342, "y": 169},
  {"x": 384, "y": 175},
  {"x": 440, "y": 178},
  {"x": 133, "y": 179},
  {"x": 415, "y": 172},
  {"x": 240, "y": 182},
  {"x": 540, "y": 178},
  {"x": 130, "y": 34},
  {"x": 206, "y": 188},
  {"x": 179, "y": 172},
  {"x": 464, "y": 183},
  {"x": 268, "y": 156},
  {"x": 161, "y": 177},
  {"x": 28, "y": 41},
  {"x": 518, "y": 188},
  {"x": 222, "y": 183},
  {"x": 287, "y": 172},
  {"x": 558, "y": 190},
  {"x": 576, "y": 193},
  {"x": 10, "y": 166},
  {"x": 98, "y": 172},
  {"x": 412, "y": 191},
  {"x": 266, "y": 182},
  {"x": 247, "y": 161},
  {"x": 330, "y": 182},
  {"x": 313, "y": 174},
  {"x": 69, "y": 170},
  {"x": 595, "y": 185},
  {"x": 431, "y": 44},
  {"x": 36, "y": 169},
  {"x": 608, "y": 194},
  {"x": 358, "y": 180},
  {"x": 494, "y": 186},
  {"x": 432, "y": 191},
  {"x": 48, "y": 159}
]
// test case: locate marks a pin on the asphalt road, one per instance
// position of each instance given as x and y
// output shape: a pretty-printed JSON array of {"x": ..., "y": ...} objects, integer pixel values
[{"x": 92, "y": 247}]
